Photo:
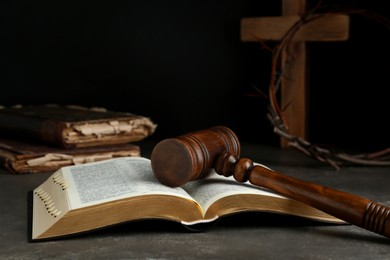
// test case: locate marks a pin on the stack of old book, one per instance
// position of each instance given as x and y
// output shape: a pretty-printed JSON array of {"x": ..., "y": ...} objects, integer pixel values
[{"x": 45, "y": 138}]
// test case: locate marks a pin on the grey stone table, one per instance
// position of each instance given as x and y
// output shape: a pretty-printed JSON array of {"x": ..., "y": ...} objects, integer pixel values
[{"x": 245, "y": 236}]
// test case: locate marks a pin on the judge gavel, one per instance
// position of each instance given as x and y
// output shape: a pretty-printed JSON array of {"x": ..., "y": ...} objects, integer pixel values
[{"x": 190, "y": 157}]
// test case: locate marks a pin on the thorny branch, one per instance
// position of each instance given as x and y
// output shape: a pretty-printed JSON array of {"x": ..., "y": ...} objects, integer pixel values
[{"x": 275, "y": 115}]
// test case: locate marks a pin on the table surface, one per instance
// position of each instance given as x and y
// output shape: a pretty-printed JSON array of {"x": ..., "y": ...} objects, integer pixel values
[{"x": 247, "y": 236}]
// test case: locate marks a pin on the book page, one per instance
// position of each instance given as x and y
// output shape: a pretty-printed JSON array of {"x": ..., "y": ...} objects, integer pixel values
[
  {"x": 215, "y": 186},
  {"x": 108, "y": 180}
]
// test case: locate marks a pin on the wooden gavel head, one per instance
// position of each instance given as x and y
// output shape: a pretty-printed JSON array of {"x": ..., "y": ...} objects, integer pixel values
[{"x": 189, "y": 157}]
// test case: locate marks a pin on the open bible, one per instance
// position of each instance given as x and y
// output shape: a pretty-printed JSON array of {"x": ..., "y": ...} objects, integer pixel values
[{"x": 95, "y": 195}]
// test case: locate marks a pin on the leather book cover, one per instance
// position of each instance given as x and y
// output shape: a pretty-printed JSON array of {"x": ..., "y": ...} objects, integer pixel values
[
  {"x": 73, "y": 126},
  {"x": 29, "y": 157}
]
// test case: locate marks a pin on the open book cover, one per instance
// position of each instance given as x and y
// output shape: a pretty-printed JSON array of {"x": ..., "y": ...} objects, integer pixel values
[
  {"x": 73, "y": 126},
  {"x": 29, "y": 157},
  {"x": 82, "y": 198}
]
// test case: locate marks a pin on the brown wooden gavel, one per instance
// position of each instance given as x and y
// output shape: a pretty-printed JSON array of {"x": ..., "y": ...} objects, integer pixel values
[{"x": 189, "y": 157}]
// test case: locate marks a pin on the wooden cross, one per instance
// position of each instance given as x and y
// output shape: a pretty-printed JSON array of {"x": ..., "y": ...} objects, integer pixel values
[{"x": 333, "y": 27}]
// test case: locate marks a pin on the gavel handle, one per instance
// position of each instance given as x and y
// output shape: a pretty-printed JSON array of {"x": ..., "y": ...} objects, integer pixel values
[{"x": 351, "y": 208}]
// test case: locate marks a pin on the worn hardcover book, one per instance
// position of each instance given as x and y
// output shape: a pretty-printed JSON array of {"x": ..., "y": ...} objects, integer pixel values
[
  {"x": 83, "y": 198},
  {"x": 72, "y": 126},
  {"x": 32, "y": 157}
]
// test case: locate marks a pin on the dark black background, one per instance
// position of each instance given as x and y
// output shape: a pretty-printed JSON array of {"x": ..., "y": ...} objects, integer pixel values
[{"x": 182, "y": 64}]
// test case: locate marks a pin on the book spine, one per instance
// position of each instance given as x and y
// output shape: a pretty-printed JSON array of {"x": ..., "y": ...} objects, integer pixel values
[
  {"x": 36, "y": 128},
  {"x": 53, "y": 132}
]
